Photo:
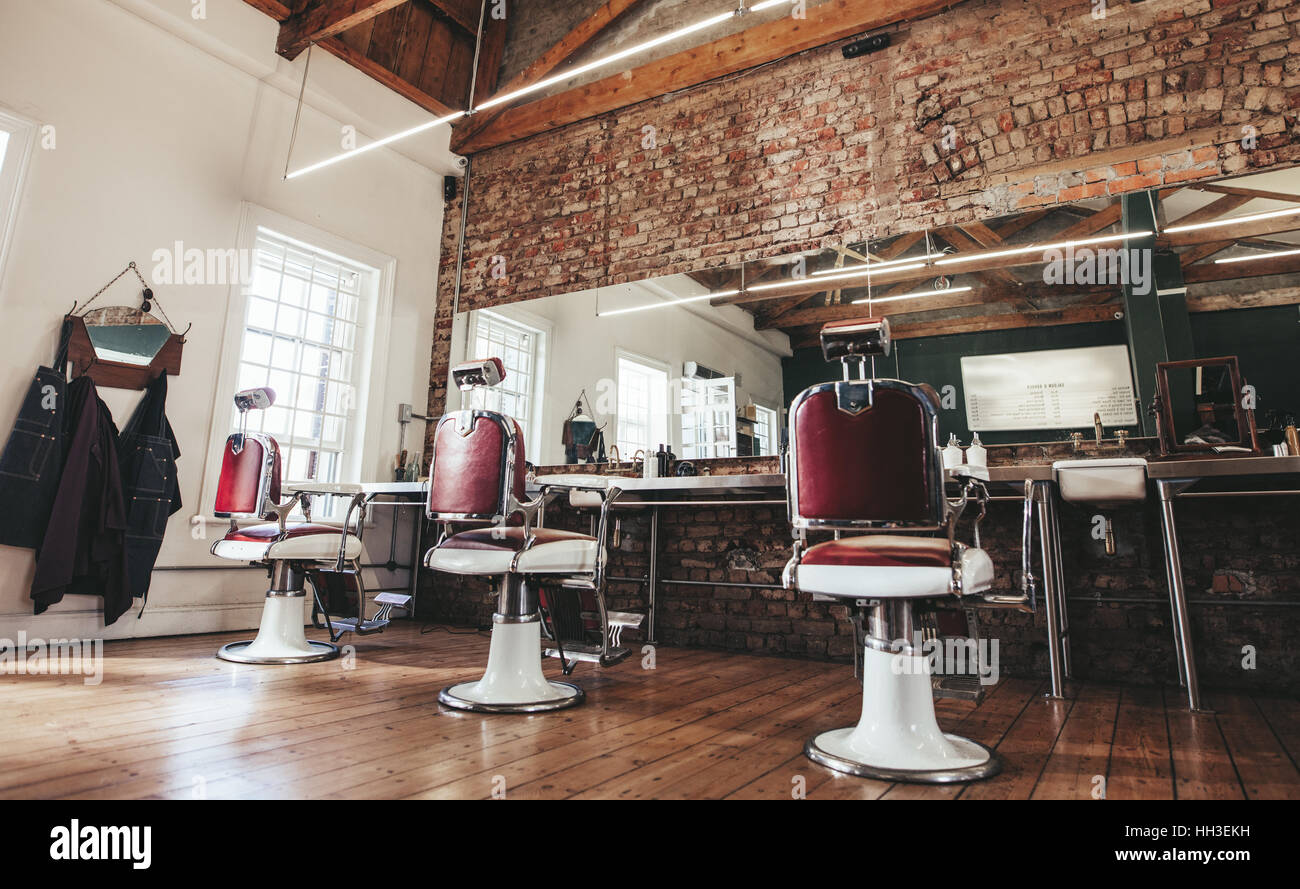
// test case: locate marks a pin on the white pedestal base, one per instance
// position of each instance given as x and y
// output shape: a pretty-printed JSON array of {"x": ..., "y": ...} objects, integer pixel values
[
  {"x": 513, "y": 682},
  {"x": 898, "y": 738},
  {"x": 281, "y": 638}
]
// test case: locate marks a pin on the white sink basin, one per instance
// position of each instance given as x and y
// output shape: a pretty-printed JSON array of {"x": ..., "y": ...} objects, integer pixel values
[{"x": 1111, "y": 480}]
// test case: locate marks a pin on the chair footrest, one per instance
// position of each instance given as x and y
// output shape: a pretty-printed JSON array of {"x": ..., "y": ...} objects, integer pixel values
[
  {"x": 361, "y": 628},
  {"x": 961, "y": 688},
  {"x": 398, "y": 599},
  {"x": 590, "y": 653}
]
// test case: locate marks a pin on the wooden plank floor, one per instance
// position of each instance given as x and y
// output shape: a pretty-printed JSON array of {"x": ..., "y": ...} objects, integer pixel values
[{"x": 171, "y": 721}]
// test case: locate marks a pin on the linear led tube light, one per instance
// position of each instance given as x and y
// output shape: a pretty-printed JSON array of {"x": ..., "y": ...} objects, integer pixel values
[
  {"x": 549, "y": 81},
  {"x": 842, "y": 275},
  {"x": 1257, "y": 256},
  {"x": 1038, "y": 248},
  {"x": 380, "y": 143},
  {"x": 666, "y": 303},
  {"x": 625, "y": 53},
  {"x": 878, "y": 265},
  {"x": 890, "y": 299},
  {"x": 1234, "y": 220}
]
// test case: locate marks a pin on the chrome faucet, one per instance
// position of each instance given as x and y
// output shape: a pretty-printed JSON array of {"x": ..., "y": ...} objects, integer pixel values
[{"x": 1096, "y": 426}]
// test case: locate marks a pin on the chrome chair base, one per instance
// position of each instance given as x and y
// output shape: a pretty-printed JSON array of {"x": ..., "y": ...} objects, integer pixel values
[
  {"x": 233, "y": 652},
  {"x": 456, "y": 696},
  {"x": 986, "y": 769}
]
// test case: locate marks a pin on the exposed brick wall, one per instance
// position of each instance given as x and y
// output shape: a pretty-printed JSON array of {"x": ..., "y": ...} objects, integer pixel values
[{"x": 1047, "y": 105}]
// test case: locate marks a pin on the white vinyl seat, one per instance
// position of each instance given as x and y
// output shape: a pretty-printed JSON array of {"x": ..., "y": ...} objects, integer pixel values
[
  {"x": 486, "y": 551},
  {"x": 267, "y": 542},
  {"x": 891, "y": 567}
]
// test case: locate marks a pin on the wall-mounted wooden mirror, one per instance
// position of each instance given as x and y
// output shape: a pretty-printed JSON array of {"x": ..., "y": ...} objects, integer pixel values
[{"x": 1200, "y": 408}]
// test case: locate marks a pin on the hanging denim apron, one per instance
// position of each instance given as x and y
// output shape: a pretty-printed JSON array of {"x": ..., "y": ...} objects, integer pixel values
[
  {"x": 32, "y": 459},
  {"x": 147, "y": 451}
]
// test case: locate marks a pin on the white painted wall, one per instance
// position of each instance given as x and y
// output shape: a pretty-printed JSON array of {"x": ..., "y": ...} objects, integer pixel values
[
  {"x": 165, "y": 127},
  {"x": 582, "y": 348}
]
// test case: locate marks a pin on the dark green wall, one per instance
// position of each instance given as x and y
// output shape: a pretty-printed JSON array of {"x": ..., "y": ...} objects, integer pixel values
[
  {"x": 1267, "y": 345},
  {"x": 937, "y": 361}
]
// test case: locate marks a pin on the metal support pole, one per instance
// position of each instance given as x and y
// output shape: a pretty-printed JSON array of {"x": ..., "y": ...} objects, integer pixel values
[
  {"x": 1051, "y": 595},
  {"x": 652, "y": 610},
  {"x": 1183, "y": 648}
]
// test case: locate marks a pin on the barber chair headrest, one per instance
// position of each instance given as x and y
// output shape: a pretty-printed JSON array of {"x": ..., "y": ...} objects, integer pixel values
[
  {"x": 258, "y": 399},
  {"x": 484, "y": 372},
  {"x": 856, "y": 338}
]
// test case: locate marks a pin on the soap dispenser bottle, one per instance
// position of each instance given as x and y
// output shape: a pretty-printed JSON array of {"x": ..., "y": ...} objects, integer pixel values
[
  {"x": 952, "y": 455},
  {"x": 976, "y": 455}
]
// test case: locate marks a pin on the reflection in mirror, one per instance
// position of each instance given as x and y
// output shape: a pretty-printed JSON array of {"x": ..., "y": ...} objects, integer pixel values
[
  {"x": 124, "y": 334},
  {"x": 613, "y": 374}
]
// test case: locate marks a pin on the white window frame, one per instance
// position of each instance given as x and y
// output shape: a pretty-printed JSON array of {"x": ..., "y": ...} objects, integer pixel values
[
  {"x": 13, "y": 175},
  {"x": 621, "y": 355},
  {"x": 541, "y": 366},
  {"x": 713, "y": 444},
  {"x": 773, "y": 428},
  {"x": 370, "y": 370}
]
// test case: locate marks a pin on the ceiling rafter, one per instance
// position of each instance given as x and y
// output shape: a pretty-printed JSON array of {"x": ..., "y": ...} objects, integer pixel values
[
  {"x": 570, "y": 45},
  {"x": 325, "y": 19}
]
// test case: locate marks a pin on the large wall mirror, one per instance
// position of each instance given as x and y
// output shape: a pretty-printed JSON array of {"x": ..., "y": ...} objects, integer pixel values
[{"x": 1027, "y": 325}]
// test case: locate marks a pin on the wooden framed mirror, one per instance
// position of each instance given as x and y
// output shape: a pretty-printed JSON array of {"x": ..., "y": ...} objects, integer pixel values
[{"x": 1199, "y": 408}]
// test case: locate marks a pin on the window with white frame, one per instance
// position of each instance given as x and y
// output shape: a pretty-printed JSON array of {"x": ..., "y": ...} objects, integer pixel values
[
  {"x": 642, "y": 405},
  {"x": 708, "y": 417},
  {"x": 302, "y": 332},
  {"x": 17, "y": 136},
  {"x": 767, "y": 430},
  {"x": 520, "y": 347}
]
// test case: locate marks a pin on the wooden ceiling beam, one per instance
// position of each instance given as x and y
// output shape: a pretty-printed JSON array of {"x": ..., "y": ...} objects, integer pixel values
[
  {"x": 1212, "y": 210},
  {"x": 904, "y": 329},
  {"x": 1258, "y": 228},
  {"x": 1251, "y": 193},
  {"x": 545, "y": 64},
  {"x": 327, "y": 18},
  {"x": 822, "y": 24},
  {"x": 1256, "y": 268},
  {"x": 987, "y": 296}
]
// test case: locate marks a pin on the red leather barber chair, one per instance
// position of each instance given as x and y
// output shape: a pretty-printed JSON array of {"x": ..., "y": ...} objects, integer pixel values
[
  {"x": 478, "y": 479},
  {"x": 864, "y": 465},
  {"x": 249, "y": 488}
]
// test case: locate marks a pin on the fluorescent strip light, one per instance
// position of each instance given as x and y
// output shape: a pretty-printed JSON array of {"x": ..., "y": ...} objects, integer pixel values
[
  {"x": 387, "y": 140},
  {"x": 839, "y": 277},
  {"x": 667, "y": 303},
  {"x": 890, "y": 299},
  {"x": 1235, "y": 220},
  {"x": 1258, "y": 256},
  {"x": 1039, "y": 248},
  {"x": 879, "y": 265},
  {"x": 571, "y": 73},
  {"x": 543, "y": 84}
]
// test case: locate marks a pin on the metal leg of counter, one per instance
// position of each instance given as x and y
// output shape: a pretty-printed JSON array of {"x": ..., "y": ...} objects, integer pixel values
[
  {"x": 1053, "y": 597},
  {"x": 652, "y": 578},
  {"x": 1183, "y": 649}
]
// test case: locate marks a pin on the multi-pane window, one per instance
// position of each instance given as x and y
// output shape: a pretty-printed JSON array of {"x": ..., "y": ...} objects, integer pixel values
[
  {"x": 642, "y": 406},
  {"x": 518, "y": 347},
  {"x": 708, "y": 418},
  {"x": 300, "y": 337},
  {"x": 766, "y": 431}
]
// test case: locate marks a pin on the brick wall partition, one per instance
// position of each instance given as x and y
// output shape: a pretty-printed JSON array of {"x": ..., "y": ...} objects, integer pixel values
[{"x": 1047, "y": 105}]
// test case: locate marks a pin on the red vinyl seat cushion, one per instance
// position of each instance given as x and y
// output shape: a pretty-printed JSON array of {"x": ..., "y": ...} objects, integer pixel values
[
  {"x": 271, "y": 531},
  {"x": 509, "y": 538},
  {"x": 882, "y": 550}
]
